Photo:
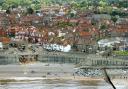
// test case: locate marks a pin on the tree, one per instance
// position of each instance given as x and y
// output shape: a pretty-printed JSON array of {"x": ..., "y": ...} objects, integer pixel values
[
  {"x": 75, "y": 5},
  {"x": 8, "y": 11},
  {"x": 5, "y": 6},
  {"x": 25, "y": 3},
  {"x": 12, "y": 2},
  {"x": 103, "y": 27},
  {"x": 30, "y": 10},
  {"x": 36, "y": 4},
  {"x": 84, "y": 3},
  {"x": 123, "y": 3},
  {"x": 95, "y": 4},
  {"x": 15, "y": 3},
  {"x": 114, "y": 19},
  {"x": 1, "y": 2},
  {"x": 104, "y": 6},
  {"x": 103, "y": 3},
  {"x": 109, "y": 9}
]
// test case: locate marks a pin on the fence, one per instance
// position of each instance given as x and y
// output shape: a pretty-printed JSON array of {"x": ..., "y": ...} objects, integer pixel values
[
  {"x": 8, "y": 59},
  {"x": 60, "y": 59},
  {"x": 109, "y": 63},
  {"x": 82, "y": 60}
]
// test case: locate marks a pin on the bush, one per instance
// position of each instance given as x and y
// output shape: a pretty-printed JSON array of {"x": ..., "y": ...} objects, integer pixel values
[{"x": 30, "y": 11}]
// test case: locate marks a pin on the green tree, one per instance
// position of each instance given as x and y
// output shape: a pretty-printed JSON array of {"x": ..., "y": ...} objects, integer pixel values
[
  {"x": 36, "y": 4},
  {"x": 103, "y": 3},
  {"x": 12, "y": 2},
  {"x": 5, "y": 6},
  {"x": 114, "y": 19},
  {"x": 84, "y": 3},
  {"x": 30, "y": 10},
  {"x": 8, "y": 11},
  {"x": 25, "y": 3},
  {"x": 103, "y": 27},
  {"x": 15, "y": 3},
  {"x": 75, "y": 5},
  {"x": 1, "y": 2},
  {"x": 103, "y": 6},
  {"x": 123, "y": 3}
]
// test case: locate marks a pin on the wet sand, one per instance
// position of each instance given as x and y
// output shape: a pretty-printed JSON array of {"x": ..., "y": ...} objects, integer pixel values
[{"x": 59, "y": 84}]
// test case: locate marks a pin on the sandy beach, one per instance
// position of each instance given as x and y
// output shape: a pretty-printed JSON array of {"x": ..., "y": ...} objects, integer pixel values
[{"x": 51, "y": 76}]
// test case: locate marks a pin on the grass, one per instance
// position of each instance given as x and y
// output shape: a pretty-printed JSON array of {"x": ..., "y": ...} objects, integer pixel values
[{"x": 121, "y": 53}]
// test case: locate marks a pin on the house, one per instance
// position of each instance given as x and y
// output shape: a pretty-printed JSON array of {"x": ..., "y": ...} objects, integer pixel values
[
  {"x": 56, "y": 47},
  {"x": 122, "y": 27},
  {"x": 84, "y": 34},
  {"x": 5, "y": 40},
  {"x": 1, "y": 45},
  {"x": 4, "y": 21},
  {"x": 30, "y": 20},
  {"x": 99, "y": 17}
]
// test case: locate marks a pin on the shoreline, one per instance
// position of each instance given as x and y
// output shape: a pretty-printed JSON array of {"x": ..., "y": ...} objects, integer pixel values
[
  {"x": 51, "y": 78},
  {"x": 78, "y": 79}
]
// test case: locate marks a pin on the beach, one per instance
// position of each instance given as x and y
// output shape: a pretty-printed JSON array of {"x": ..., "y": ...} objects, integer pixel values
[{"x": 51, "y": 76}]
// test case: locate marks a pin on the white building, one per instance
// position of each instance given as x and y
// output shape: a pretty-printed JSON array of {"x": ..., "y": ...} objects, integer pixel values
[
  {"x": 1, "y": 45},
  {"x": 57, "y": 47},
  {"x": 108, "y": 42}
]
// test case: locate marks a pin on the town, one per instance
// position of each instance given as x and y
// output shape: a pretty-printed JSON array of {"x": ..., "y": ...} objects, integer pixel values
[{"x": 87, "y": 37}]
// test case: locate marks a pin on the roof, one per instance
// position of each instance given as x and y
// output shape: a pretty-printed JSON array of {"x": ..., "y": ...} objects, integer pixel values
[
  {"x": 5, "y": 39},
  {"x": 109, "y": 42},
  {"x": 101, "y": 16},
  {"x": 82, "y": 33},
  {"x": 31, "y": 18}
]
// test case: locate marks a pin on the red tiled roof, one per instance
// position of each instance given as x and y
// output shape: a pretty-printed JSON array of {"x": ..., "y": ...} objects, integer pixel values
[
  {"x": 82, "y": 33},
  {"x": 30, "y": 18},
  {"x": 122, "y": 30},
  {"x": 73, "y": 20},
  {"x": 5, "y": 40},
  {"x": 2, "y": 32}
]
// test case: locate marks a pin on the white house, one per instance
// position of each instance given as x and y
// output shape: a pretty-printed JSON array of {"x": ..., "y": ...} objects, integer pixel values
[
  {"x": 57, "y": 47},
  {"x": 108, "y": 42},
  {"x": 1, "y": 45}
]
